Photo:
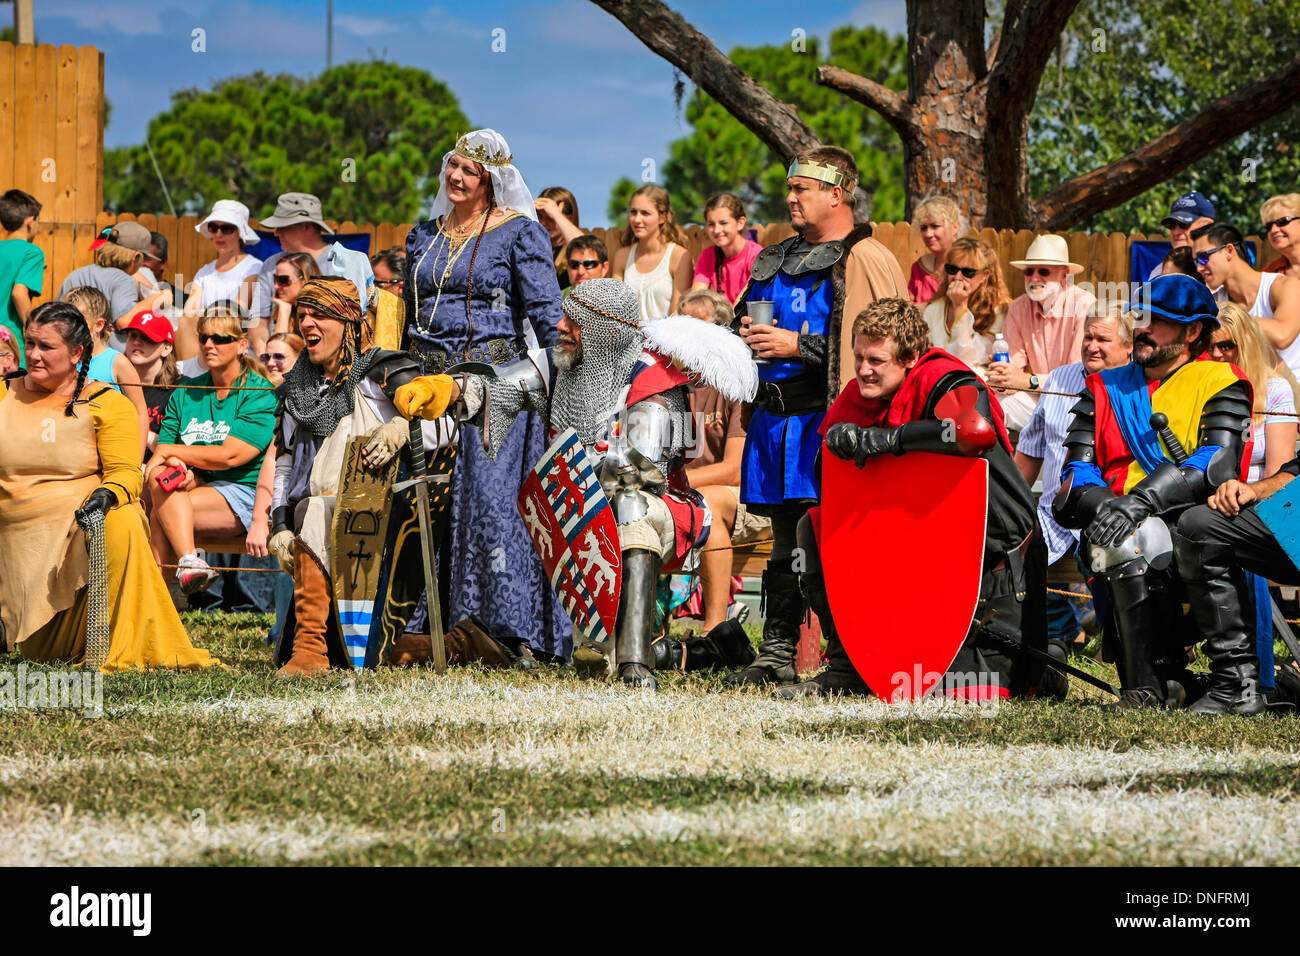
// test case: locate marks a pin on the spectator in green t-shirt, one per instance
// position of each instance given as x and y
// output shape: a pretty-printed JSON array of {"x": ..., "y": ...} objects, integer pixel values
[
  {"x": 22, "y": 264},
  {"x": 218, "y": 437}
]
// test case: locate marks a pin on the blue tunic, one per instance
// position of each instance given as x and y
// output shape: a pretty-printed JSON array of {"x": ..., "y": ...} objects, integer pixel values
[
  {"x": 781, "y": 450},
  {"x": 494, "y": 570}
]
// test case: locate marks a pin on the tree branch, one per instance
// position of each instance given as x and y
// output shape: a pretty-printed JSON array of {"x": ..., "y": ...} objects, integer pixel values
[
  {"x": 1024, "y": 46},
  {"x": 666, "y": 33},
  {"x": 1009, "y": 15},
  {"x": 1169, "y": 153},
  {"x": 890, "y": 104}
]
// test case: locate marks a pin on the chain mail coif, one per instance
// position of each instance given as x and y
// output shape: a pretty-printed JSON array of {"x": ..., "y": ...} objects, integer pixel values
[
  {"x": 319, "y": 414},
  {"x": 588, "y": 393}
]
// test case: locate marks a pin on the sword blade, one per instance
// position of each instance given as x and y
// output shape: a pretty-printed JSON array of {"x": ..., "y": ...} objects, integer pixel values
[
  {"x": 431, "y": 578},
  {"x": 415, "y": 447}
]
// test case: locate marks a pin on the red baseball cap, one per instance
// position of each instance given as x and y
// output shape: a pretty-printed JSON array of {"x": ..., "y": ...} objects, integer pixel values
[{"x": 154, "y": 325}]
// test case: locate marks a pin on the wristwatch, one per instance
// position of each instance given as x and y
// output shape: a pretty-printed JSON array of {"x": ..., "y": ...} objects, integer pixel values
[{"x": 1033, "y": 381}]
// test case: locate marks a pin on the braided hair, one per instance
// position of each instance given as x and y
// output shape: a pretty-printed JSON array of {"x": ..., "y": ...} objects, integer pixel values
[{"x": 75, "y": 333}]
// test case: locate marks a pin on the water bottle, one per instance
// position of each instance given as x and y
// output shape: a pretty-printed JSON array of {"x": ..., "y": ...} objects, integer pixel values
[{"x": 1001, "y": 351}]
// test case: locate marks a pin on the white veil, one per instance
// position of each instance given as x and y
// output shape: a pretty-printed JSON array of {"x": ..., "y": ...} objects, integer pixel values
[{"x": 508, "y": 186}]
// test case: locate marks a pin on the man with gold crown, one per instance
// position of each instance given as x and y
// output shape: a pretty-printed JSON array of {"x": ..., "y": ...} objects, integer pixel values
[
  {"x": 1148, "y": 441},
  {"x": 796, "y": 313}
]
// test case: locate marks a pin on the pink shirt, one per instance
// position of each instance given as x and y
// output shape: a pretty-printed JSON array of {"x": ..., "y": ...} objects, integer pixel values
[
  {"x": 1042, "y": 341},
  {"x": 921, "y": 285},
  {"x": 735, "y": 271}
]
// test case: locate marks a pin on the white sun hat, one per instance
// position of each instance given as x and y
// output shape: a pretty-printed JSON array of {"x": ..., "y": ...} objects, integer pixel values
[
  {"x": 1048, "y": 250},
  {"x": 233, "y": 212}
]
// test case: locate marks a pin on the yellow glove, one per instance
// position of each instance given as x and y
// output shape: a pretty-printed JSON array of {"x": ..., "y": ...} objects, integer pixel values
[{"x": 427, "y": 396}]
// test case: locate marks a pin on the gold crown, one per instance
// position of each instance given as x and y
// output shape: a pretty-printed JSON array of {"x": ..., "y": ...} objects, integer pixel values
[
  {"x": 820, "y": 171},
  {"x": 480, "y": 154}
]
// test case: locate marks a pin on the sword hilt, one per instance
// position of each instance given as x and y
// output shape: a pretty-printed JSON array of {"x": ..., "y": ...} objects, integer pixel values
[
  {"x": 1160, "y": 424},
  {"x": 415, "y": 449}
]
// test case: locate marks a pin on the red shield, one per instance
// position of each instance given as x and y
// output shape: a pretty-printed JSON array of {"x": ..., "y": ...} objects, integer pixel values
[
  {"x": 573, "y": 529},
  {"x": 902, "y": 546}
]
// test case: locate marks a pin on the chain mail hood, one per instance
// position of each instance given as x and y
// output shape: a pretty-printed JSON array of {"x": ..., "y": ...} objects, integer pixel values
[{"x": 589, "y": 392}]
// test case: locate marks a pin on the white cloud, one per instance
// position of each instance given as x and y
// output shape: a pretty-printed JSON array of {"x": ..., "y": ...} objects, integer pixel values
[
  {"x": 364, "y": 26},
  {"x": 124, "y": 17}
]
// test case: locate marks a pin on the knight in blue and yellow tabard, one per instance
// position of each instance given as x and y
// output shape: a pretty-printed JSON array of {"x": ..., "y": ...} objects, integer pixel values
[
  {"x": 817, "y": 280},
  {"x": 1129, "y": 475}
]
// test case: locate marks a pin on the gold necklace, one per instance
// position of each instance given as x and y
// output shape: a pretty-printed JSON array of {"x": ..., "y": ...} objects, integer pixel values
[{"x": 454, "y": 249}]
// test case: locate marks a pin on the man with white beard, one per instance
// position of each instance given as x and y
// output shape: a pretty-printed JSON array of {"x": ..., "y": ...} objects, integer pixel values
[{"x": 1043, "y": 328}]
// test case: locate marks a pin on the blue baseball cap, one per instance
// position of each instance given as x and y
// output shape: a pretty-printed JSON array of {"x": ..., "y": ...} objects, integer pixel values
[
  {"x": 1188, "y": 208},
  {"x": 1178, "y": 298}
]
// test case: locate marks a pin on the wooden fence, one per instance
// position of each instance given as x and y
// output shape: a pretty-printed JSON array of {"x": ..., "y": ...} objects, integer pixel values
[
  {"x": 1104, "y": 256},
  {"x": 52, "y": 117}
]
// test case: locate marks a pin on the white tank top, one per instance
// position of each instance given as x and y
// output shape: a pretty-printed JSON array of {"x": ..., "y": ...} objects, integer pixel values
[
  {"x": 654, "y": 289},
  {"x": 1263, "y": 307}
]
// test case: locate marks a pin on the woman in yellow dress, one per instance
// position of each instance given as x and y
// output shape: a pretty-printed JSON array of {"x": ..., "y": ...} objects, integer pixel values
[{"x": 67, "y": 447}]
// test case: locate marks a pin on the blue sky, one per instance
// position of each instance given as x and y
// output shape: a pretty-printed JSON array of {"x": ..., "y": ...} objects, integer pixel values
[{"x": 581, "y": 101}]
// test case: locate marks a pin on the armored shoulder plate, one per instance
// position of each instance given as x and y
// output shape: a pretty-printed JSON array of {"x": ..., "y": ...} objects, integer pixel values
[
  {"x": 820, "y": 258},
  {"x": 1226, "y": 416},
  {"x": 391, "y": 370},
  {"x": 1081, "y": 438},
  {"x": 768, "y": 262}
]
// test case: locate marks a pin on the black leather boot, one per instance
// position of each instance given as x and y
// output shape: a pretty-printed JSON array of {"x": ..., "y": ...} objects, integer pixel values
[
  {"x": 1136, "y": 609},
  {"x": 840, "y": 676},
  {"x": 1217, "y": 607},
  {"x": 636, "y": 615},
  {"x": 784, "y": 609},
  {"x": 727, "y": 645}
]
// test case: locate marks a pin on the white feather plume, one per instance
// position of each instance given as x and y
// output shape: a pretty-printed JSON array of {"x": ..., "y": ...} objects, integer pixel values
[{"x": 711, "y": 353}]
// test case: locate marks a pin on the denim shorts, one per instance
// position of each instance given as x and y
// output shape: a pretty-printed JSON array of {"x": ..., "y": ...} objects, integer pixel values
[{"x": 239, "y": 497}]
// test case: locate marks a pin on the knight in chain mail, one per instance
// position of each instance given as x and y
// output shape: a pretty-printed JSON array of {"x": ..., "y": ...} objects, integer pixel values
[
  {"x": 625, "y": 396},
  {"x": 801, "y": 292}
]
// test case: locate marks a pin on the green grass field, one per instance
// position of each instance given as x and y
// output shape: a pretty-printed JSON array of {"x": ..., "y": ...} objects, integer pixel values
[{"x": 476, "y": 767}]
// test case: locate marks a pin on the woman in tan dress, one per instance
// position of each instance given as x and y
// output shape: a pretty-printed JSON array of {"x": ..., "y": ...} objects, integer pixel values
[{"x": 68, "y": 446}]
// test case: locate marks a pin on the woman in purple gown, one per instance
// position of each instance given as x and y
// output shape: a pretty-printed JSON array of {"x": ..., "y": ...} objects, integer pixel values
[{"x": 482, "y": 288}]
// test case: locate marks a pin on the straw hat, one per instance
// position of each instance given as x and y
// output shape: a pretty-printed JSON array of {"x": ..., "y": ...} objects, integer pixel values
[
  {"x": 1048, "y": 250},
  {"x": 233, "y": 212}
]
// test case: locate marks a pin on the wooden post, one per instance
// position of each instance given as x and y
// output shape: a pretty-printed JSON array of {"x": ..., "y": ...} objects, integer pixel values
[{"x": 24, "y": 22}]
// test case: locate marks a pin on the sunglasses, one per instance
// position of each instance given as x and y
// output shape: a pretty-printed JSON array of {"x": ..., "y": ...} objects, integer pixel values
[
  {"x": 285, "y": 280},
  {"x": 1042, "y": 272},
  {"x": 273, "y": 358},
  {"x": 224, "y": 228},
  {"x": 584, "y": 263},
  {"x": 1202, "y": 258},
  {"x": 967, "y": 271},
  {"x": 1226, "y": 345},
  {"x": 1280, "y": 222},
  {"x": 206, "y": 337},
  {"x": 388, "y": 282}
]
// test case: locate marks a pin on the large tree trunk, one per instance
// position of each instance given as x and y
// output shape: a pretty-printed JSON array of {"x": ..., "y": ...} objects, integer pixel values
[{"x": 945, "y": 69}]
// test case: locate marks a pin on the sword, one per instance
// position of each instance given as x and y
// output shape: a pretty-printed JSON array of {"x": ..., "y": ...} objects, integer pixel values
[
  {"x": 986, "y": 627},
  {"x": 420, "y": 481},
  {"x": 1160, "y": 423}
]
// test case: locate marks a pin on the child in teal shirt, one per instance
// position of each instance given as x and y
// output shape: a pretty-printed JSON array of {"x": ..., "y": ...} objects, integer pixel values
[{"x": 22, "y": 264}]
